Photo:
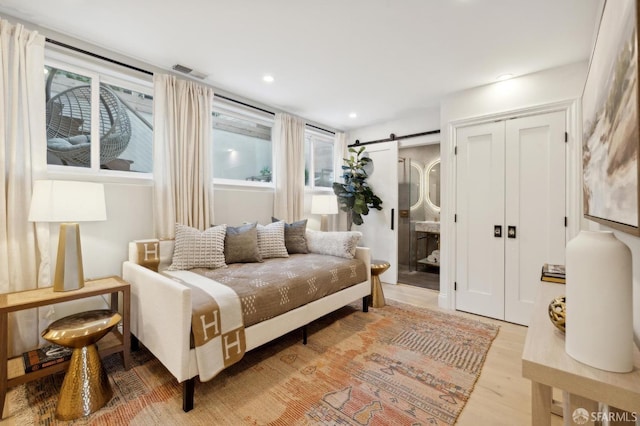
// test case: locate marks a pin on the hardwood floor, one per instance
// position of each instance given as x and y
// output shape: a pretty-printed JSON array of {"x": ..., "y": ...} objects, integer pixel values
[{"x": 501, "y": 395}]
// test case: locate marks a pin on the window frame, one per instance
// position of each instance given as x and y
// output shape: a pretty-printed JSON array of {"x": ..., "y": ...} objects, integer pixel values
[
  {"x": 311, "y": 187},
  {"x": 228, "y": 108},
  {"x": 99, "y": 73}
]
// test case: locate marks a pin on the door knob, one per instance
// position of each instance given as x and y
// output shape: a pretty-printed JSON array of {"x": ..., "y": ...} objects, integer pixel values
[
  {"x": 497, "y": 231},
  {"x": 511, "y": 231}
]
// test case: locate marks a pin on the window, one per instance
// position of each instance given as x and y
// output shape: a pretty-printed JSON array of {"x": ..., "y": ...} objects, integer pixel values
[
  {"x": 318, "y": 168},
  {"x": 97, "y": 121},
  {"x": 242, "y": 148}
]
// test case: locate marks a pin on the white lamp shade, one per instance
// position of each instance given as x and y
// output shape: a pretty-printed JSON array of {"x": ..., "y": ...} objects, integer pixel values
[
  {"x": 324, "y": 204},
  {"x": 67, "y": 201}
]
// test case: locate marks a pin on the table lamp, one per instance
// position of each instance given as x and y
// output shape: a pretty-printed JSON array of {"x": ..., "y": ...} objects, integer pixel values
[
  {"x": 68, "y": 202},
  {"x": 324, "y": 205}
]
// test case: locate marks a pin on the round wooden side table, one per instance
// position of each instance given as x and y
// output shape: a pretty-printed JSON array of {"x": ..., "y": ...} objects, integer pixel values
[
  {"x": 377, "y": 296},
  {"x": 86, "y": 387}
]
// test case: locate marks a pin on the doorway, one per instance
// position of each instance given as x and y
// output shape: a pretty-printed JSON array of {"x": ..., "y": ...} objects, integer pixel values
[{"x": 419, "y": 216}]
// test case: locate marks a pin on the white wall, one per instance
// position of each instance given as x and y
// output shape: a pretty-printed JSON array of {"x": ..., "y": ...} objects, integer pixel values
[{"x": 529, "y": 91}]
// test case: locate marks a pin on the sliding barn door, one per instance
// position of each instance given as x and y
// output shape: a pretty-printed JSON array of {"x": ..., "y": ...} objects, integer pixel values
[
  {"x": 480, "y": 209},
  {"x": 535, "y": 207},
  {"x": 380, "y": 228}
]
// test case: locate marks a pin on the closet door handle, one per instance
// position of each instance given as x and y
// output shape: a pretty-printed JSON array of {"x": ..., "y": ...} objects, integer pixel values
[
  {"x": 497, "y": 231},
  {"x": 393, "y": 211},
  {"x": 511, "y": 231}
]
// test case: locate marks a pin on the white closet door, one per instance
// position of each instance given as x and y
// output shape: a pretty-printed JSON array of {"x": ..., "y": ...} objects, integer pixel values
[
  {"x": 535, "y": 207},
  {"x": 380, "y": 228},
  {"x": 479, "y": 209}
]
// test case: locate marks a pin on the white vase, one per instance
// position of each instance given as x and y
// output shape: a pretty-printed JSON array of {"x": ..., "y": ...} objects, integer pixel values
[{"x": 599, "y": 324}]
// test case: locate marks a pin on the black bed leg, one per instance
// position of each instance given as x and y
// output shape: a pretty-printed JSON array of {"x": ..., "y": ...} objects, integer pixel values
[
  {"x": 365, "y": 304},
  {"x": 188, "y": 387},
  {"x": 304, "y": 334}
]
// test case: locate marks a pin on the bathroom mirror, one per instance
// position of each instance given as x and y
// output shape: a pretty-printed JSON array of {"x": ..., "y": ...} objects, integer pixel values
[
  {"x": 432, "y": 184},
  {"x": 417, "y": 192}
]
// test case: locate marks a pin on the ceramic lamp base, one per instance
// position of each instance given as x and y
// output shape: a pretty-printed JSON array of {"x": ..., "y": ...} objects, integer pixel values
[
  {"x": 599, "y": 322},
  {"x": 69, "y": 273}
]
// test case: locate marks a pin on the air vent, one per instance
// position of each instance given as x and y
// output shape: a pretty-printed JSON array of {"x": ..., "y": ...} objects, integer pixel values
[{"x": 189, "y": 71}]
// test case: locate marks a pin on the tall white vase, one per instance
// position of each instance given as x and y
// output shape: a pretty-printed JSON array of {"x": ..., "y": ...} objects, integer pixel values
[{"x": 599, "y": 327}]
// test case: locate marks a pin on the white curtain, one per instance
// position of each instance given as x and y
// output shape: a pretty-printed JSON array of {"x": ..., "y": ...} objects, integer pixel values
[
  {"x": 183, "y": 190},
  {"x": 339, "y": 154},
  {"x": 288, "y": 166},
  {"x": 24, "y": 246}
]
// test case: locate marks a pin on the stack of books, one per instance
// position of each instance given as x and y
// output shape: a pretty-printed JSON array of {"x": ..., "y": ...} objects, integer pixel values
[
  {"x": 553, "y": 273},
  {"x": 45, "y": 356}
]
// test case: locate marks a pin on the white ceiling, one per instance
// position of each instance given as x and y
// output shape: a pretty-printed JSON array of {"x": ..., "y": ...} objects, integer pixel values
[{"x": 380, "y": 58}]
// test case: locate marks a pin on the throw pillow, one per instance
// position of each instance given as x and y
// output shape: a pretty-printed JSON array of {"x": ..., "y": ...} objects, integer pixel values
[
  {"x": 271, "y": 240},
  {"x": 295, "y": 236},
  {"x": 198, "y": 249},
  {"x": 241, "y": 244},
  {"x": 340, "y": 244}
]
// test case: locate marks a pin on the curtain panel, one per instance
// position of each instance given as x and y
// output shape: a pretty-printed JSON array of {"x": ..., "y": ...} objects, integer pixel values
[
  {"x": 339, "y": 221},
  {"x": 288, "y": 166},
  {"x": 24, "y": 246},
  {"x": 183, "y": 191}
]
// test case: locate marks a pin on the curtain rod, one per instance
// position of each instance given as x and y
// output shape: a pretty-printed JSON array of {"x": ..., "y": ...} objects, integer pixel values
[
  {"x": 393, "y": 137},
  {"x": 95, "y": 55},
  {"x": 122, "y": 64}
]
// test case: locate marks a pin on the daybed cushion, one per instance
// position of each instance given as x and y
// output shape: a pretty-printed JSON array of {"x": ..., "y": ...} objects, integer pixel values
[
  {"x": 271, "y": 240},
  {"x": 341, "y": 244},
  {"x": 279, "y": 285},
  {"x": 198, "y": 249},
  {"x": 241, "y": 244},
  {"x": 295, "y": 239}
]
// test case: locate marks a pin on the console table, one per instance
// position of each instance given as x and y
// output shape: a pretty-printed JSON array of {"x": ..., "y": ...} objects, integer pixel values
[
  {"x": 12, "y": 370},
  {"x": 547, "y": 365}
]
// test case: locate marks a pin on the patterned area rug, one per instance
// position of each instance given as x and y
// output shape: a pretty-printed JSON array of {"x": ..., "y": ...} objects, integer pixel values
[{"x": 398, "y": 365}]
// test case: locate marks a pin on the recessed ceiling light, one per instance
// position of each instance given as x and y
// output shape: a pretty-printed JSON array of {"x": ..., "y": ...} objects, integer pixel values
[
  {"x": 268, "y": 78},
  {"x": 353, "y": 115},
  {"x": 504, "y": 77}
]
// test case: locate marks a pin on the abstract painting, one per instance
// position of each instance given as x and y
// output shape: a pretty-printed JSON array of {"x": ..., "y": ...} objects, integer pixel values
[{"x": 610, "y": 121}]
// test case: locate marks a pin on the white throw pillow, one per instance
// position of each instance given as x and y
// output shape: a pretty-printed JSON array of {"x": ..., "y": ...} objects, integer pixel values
[
  {"x": 198, "y": 249},
  {"x": 271, "y": 240},
  {"x": 340, "y": 244}
]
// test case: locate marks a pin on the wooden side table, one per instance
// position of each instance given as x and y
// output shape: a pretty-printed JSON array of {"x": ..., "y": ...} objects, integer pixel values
[
  {"x": 12, "y": 370},
  {"x": 377, "y": 296},
  {"x": 546, "y": 363}
]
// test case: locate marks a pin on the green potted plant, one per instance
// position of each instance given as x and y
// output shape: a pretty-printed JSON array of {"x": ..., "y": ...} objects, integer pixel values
[{"x": 355, "y": 196}]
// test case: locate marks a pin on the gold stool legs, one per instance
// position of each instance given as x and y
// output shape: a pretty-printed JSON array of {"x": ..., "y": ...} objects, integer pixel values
[
  {"x": 377, "y": 296},
  {"x": 86, "y": 387}
]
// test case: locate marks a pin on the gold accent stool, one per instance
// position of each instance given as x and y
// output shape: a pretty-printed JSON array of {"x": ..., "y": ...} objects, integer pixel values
[
  {"x": 86, "y": 387},
  {"x": 377, "y": 296}
]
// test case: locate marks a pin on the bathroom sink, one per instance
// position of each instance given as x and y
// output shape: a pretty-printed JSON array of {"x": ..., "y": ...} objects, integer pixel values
[{"x": 427, "y": 226}]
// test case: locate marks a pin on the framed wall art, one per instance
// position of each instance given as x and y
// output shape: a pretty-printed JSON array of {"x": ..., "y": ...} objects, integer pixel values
[{"x": 611, "y": 141}]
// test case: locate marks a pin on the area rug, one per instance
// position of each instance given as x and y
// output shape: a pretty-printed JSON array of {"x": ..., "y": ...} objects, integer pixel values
[{"x": 397, "y": 365}]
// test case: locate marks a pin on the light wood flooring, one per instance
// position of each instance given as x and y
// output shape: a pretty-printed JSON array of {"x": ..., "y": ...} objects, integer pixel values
[{"x": 501, "y": 395}]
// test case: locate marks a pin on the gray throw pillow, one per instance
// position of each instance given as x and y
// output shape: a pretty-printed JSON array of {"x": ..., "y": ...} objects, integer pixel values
[
  {"x": 295, "y": 236},
  {"x": 241, "y": 244}
]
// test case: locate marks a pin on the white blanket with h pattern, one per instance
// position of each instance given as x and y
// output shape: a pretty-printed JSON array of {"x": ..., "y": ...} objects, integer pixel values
[{"x": 216, "y": 323}]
